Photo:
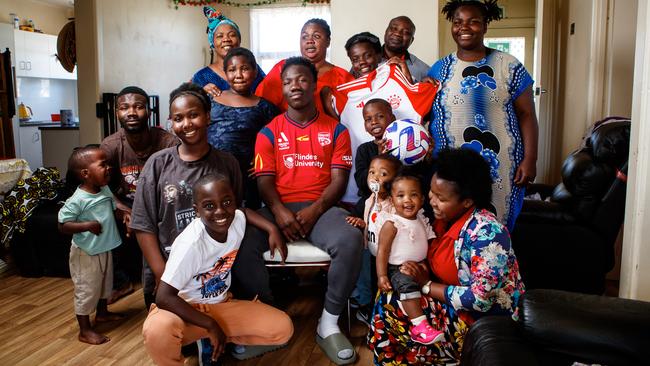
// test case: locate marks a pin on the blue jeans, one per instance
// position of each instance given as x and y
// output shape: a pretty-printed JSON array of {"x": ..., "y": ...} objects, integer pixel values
[{"x": 362, "y": 293}]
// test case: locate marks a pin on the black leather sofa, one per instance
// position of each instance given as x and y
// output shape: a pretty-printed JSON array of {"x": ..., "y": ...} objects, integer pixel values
[
  {"x": 560, "y": 328},
  {"x": 567, "y": 242}
]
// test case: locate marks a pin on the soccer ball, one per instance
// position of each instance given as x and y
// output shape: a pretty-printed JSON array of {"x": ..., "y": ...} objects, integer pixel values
[{"x": 407, "y": 140}]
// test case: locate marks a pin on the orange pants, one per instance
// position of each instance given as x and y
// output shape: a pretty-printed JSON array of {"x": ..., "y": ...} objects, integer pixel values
[{"x": 243, "y": 322}]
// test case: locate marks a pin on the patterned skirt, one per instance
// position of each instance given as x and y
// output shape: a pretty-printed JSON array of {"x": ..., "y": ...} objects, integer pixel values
[{"x": 391, "y": 343}]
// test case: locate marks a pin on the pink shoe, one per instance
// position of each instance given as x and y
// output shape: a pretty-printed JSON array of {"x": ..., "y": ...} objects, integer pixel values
[{"x": 425, "y": 334}]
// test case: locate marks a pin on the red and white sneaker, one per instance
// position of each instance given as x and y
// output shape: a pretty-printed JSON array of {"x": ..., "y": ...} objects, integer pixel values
[{"x": 425, "y": 334}]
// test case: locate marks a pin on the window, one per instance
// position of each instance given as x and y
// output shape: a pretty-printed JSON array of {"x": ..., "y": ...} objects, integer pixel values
[
  {"x": 275, "y": 32},
  {"x": 515, "y": 46}
]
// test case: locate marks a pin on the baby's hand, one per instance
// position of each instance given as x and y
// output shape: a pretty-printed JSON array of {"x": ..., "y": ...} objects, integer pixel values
[
  {"x": 94, "y": 227},
  {"x": 383, "y": 283},
  {"x": 356, "y": 222},
  {"x": 381, "y": 146}
]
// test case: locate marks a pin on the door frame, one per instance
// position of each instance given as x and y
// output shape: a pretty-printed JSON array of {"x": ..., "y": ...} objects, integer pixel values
[{"x": 545, "y": 89}]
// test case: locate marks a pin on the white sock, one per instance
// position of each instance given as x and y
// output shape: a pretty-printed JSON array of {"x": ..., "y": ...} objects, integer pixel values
[
  {"x": 328, "y": 325},
  {"x": 418, "y": 320}
]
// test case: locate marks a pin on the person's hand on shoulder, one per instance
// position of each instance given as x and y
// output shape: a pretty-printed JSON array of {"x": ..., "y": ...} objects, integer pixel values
[{"x": 212, "y": 90}]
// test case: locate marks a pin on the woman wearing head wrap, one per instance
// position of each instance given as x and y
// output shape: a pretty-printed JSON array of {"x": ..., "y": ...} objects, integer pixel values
[
  {"x": 223, "y": 34},
  {"x": 314, "y": 41}
]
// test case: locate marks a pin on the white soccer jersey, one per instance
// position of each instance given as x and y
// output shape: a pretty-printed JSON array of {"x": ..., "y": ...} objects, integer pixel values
[{"x": 412, "y": 101}]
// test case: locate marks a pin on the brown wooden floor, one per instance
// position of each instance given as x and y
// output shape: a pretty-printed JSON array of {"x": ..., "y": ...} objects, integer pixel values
[{"x": 38, "y": 327}]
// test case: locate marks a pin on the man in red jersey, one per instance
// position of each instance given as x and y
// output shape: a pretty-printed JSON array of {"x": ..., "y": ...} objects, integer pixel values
[{"x": 302, "y": 163}]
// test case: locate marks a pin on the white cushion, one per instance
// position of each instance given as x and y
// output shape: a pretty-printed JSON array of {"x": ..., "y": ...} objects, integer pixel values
[{"x": 300, "y": 251}]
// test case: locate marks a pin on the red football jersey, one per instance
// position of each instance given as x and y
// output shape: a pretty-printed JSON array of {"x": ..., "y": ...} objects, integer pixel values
[
  {"x": 301, "y": 156},
  {"x": 271, "y": 87}
]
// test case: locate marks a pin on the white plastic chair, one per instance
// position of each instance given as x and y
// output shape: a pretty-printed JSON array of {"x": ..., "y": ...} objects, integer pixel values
[{"x": 302, "y": 253}]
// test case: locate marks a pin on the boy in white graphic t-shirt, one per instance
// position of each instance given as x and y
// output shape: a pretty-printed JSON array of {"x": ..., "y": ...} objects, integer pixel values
[{"x": 192, "y": 298}]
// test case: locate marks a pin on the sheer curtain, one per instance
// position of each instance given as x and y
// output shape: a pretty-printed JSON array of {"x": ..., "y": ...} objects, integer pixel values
[{"x": 275, "y": 31}]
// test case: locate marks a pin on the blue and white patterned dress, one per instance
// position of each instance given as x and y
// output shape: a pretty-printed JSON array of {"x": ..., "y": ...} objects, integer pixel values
[{"x": 475, "y": 109}]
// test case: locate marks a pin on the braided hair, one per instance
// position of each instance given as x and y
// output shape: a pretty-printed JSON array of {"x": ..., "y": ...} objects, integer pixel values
[{"x": 488, "y": 8}]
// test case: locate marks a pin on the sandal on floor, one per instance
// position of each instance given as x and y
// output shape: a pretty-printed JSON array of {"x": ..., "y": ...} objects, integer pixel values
[
  {"x": 256, "y": 351},
  {"x": 335, "y": 343}
]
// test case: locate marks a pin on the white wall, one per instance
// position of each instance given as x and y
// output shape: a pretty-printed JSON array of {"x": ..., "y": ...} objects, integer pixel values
[
  {"x": 574, "y": 73},
  {"x": 621, "y": 61},
  {"x": 145, "y": 43}
]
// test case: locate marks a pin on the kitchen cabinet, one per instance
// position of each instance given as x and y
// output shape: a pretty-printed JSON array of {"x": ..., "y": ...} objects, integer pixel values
[
  {"x": 31, "y": 148},
  {"x": 35, "y": 55}
]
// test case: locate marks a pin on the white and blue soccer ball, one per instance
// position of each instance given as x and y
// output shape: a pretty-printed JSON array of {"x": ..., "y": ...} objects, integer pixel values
[{"x": 407, "y": 140}]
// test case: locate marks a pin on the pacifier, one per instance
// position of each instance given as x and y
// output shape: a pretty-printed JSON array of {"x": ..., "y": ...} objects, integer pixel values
[{"x": 374, "y": 186}]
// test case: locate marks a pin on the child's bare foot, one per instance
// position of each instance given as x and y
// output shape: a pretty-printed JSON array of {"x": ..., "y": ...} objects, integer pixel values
[
  {"x": 92, "y": 337},
  {"x": 120, "y": 293},
  {"x": 108, "y": 317}
]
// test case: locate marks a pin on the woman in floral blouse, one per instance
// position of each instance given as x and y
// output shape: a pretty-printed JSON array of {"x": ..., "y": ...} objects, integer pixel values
[{"x": 472, "y": 270}]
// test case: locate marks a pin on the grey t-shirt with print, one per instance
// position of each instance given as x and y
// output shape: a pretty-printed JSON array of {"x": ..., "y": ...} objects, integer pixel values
[{"x": 163, "y": 198}]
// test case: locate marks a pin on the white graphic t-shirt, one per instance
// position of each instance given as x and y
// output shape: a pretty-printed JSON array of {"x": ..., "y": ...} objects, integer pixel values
[{"x": 199, "y": 266}]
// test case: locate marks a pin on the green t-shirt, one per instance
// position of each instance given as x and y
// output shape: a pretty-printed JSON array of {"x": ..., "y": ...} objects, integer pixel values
[{"x": 83, "y": 206}]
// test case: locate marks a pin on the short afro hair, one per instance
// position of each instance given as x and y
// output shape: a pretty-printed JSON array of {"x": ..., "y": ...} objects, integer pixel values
[
  {"x": 133, "y": 90},
  {"x": 488, "y": 8},
  {"x": 207, "y": 179},
  {"x": 299, "y": 61},
  {"x": 240, "y": 52},
  {"x": 469, "y": 173},
  {"x": 379, "y": 101},
  {"x": 80, "y": 160}
]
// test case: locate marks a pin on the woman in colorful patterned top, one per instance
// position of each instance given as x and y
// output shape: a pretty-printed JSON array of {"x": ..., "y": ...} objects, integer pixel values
[
  {"x": 486, "y": 103},
  {"x": 475, "y": 271},
  {"x": 223, "y": 34},
  {"x": 237, "y": 116}
]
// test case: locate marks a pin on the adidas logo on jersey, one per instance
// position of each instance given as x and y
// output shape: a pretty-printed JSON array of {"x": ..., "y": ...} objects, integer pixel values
[{"x": 283, "y": 142}]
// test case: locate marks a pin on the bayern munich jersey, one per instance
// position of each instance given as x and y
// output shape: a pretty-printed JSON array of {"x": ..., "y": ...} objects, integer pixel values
[
  {"x": 301, "y": 156},
  {"x": 387, "y": 82}
]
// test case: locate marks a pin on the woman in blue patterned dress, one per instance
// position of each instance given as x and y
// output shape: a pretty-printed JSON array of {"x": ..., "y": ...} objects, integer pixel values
[
  {"x": 486, "y": 104},
  {"x": 237, "y": 116},
  {"x": 223, "y": 34},
  {"x": 475, "y": 271}
]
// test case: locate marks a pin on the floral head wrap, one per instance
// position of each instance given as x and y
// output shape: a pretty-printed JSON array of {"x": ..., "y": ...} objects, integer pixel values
[{"x": 215, "y": 19}]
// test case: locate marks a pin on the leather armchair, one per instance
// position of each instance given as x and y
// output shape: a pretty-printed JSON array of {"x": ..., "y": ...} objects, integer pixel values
[
  {"x": 559, "y": 328},
  {"x": 567, "y": 242}
]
